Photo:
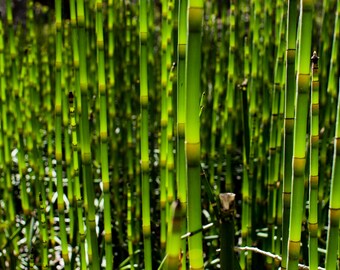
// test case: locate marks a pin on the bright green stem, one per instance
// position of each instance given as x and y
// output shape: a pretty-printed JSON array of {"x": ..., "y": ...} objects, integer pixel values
[
  {"x": 75, "y": 175},
  {"x": 58, "y": 135},
  {"x": 334, "y": 65},
  {"x": 334, "y": 204},
  {"x": 85, "y": 143},
  {"x": 288, "y": 124},
  {"x": 314, "y": 167},
  {"x": 174, "y": 236},
  {"x": 164, "y": 121},
  {"x": 144, "y": 104},
  {"x": 300, "y": 129},
  {"x": 192, "y": 131},
  {"x": 181, "y": 103},
  {"x": 103, "y": 134}
]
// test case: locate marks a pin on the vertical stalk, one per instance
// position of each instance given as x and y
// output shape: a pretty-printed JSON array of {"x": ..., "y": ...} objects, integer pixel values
[
  {"x": 174, "y": 236},
  {"x": 58, "y": 133},
  {"x": 300, "y": 128},
  {"x": 164, "y": 121},
  {"x": 227, "y": 230},
  {"x": 334, "y": 65},
  {"x": 85, "y": 141},
  {"x": 334, "y": 206},
  {"x": 288, "y": 123},
  {"x": 77, "y": 189},
  {"x": 192, "y": 130},
  {"x": 181, "y": 113},
  {"x": 4, "y": 100},
  {"x": 314, "y": 167},
  {"x": 275, "y": 137},
  {"x": 144, "y": 104},
  {"x": 171, "y": 115},
  {"x": 104, "y": 134}
]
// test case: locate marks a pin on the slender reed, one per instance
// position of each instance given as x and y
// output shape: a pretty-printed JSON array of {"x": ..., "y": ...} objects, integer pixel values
[
  {"x": 181, "y": 114},
  {"x": 192, "y": 130},
  {"x": 227, "y": 227},
  {"x": 314, "y": 166},
  {"x": 164, "y": 119},
  {"x": 144, "y": 104},
  {"x": 174, "y": 236},
  {"x": 91, "y": 235},
  {"x": 334, "y": 207},
  {"x": 300, "y": 129},
  {"x": 104, "y": 134},
  {"x": 334, "y": 67},
  {"x": 58, "y": 133},
  {"x": 288, "y": 123}
]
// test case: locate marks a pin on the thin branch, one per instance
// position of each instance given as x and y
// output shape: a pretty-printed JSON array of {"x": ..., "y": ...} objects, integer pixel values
[
  {"x": 271, "y": 255},
  {"x": 205, "y": 227}
]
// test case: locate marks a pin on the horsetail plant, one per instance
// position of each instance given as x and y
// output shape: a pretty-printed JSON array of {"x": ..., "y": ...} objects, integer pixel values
[
  {"x": 192, "y": 130},
  {"x": 164, "y": 120},
  {"x": 174, "y": 236},
  {"x": 227, "y": 201},
  {"x": 170, "y": 184},
  {"x": 144, "y": 103},
  {"x": 288, "y": 123},
  {"x": 104, "y": 134},
  {"x": 300, "y": 129},
  {"x": 170, "y": 166},
  {"x": 85, "y": 142},
  {"x": 334, "y": 207},
  {"x": 333, "y": 68},
  {"x": 314, "y": 166},
  {"x": 75, "y": 175},
  {"x": 58, "y": 133},
  {"x": 181, "y": 115},
  {"x": 88, "y": 180},
  {"x": 275, "y": 138}
]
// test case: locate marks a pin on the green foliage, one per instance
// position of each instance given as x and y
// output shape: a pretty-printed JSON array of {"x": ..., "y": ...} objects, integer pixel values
[{"x": 121, "y": 122}]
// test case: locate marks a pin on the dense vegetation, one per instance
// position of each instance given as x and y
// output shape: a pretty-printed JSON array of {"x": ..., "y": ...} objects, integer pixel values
[{"x": 170, "y": 134}]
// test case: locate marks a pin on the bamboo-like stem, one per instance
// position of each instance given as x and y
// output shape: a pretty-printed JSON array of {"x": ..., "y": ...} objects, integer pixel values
[
  {"x": 164, "y": 121},
  {"x": 85, "y": 142},
  {"x": 230, "y": 97},
  {"x": 110, "y": 56},
  {"x": 314, "y": 166},
  {"x": 74, "y": 110},
  {"x": 58, "y": 133},
  {"x": 170, "y": 155},
  {"x": 255, "y": 186},
  {"x": 227, "y": 201},
  {"x": 248, "y": 158},
  {"x": 70, "y": 206},
  {"x": 144, "y": 138},
  {"x": 169, "y": 175},
  {"x": 288, "y": 123},
  {"x": 275, "y": 135},
  {"x": 334, "y": 206},
  {"x": 300, "y": 128},
  {"x": 77, "y": 189},
  {"x": 181, "y": 114},
  {"x": 192, "y": 130},
  {"x": 137, "y": 232},
  {"x": 104, "y": 134},
  {"x": 334, "y": 67},
  {"x": 174, "y": 236}
]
